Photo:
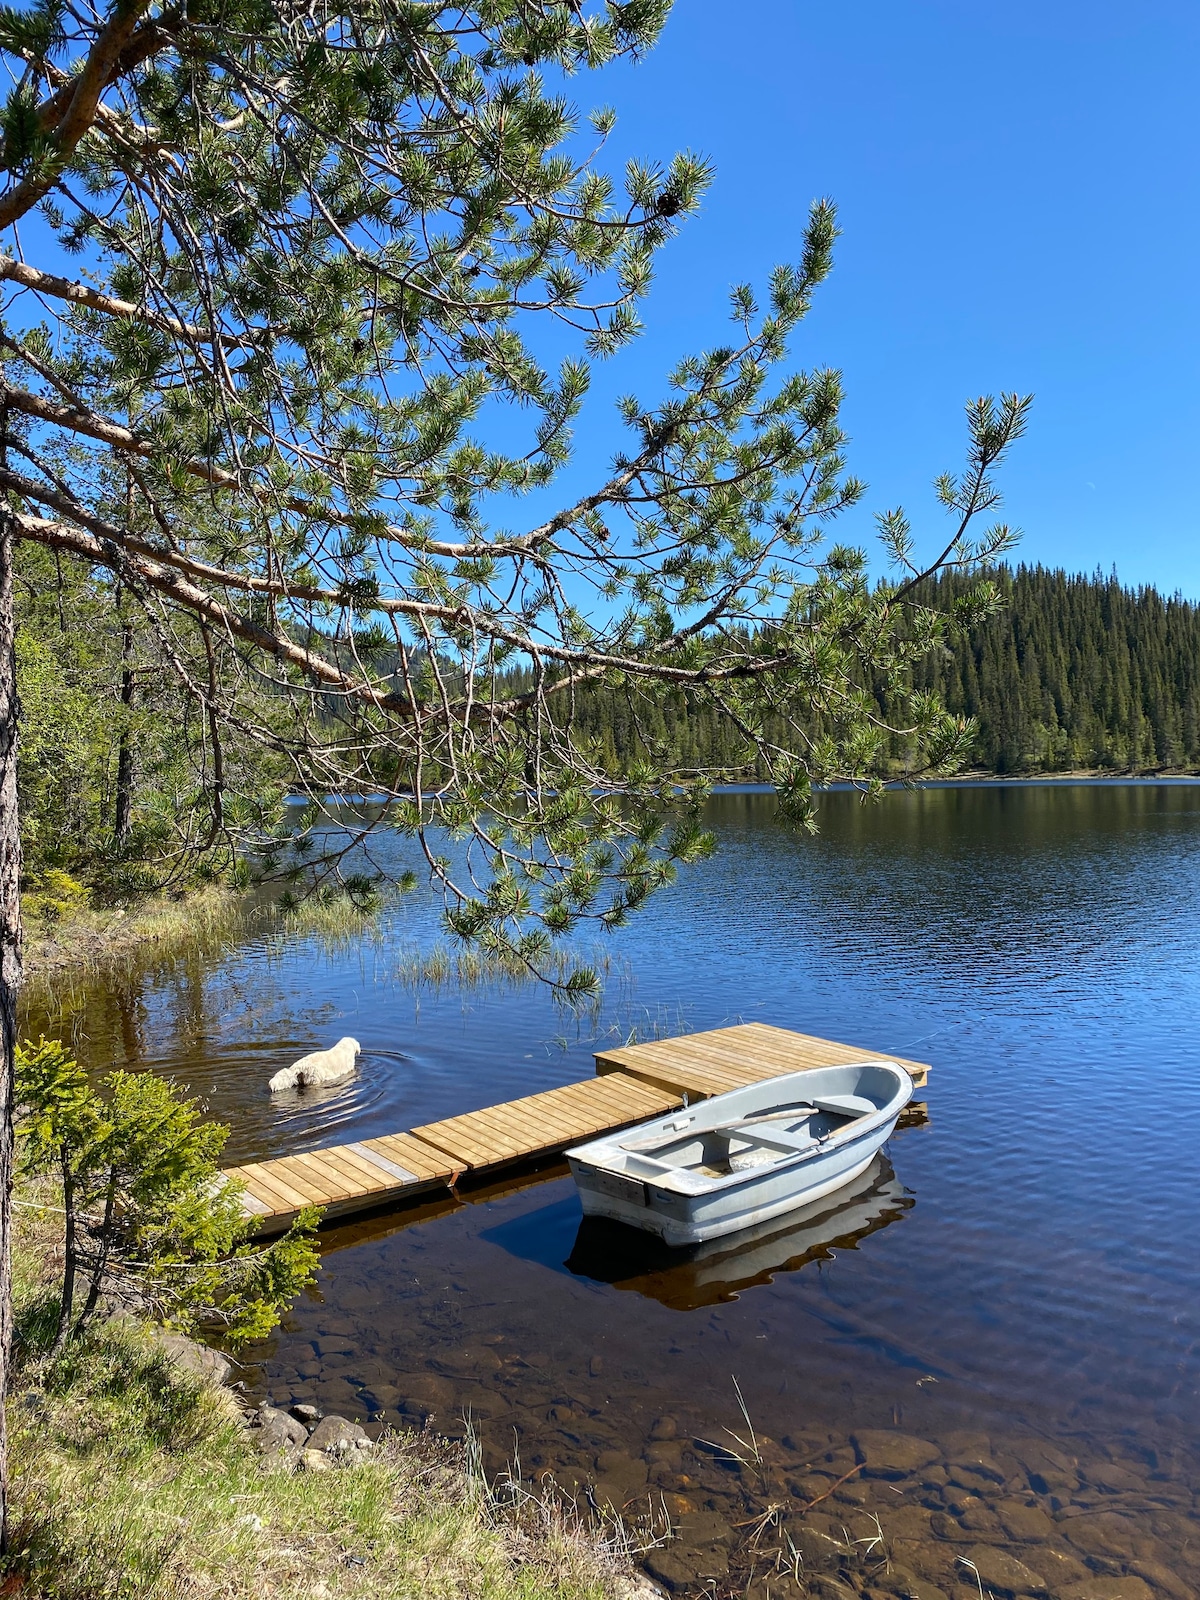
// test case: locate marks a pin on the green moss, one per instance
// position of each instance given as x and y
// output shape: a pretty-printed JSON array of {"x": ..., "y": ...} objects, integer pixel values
[{"x": 54, "y": 896}]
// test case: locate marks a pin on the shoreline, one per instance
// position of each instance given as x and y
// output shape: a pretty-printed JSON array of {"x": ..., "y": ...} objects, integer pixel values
[
  {"x": 92, "y": 942},
  {"x": 1033, "y": 779},
  {"x": 95, "y": 941},
  {"x": 138, "y": 1468}
]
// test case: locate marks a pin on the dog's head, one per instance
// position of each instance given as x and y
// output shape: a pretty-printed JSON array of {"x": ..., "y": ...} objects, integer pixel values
[{"x": 349, "y": 1044}]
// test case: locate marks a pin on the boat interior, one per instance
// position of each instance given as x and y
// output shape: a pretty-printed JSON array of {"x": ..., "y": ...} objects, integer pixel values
[{"x": 759, "y": 1141}]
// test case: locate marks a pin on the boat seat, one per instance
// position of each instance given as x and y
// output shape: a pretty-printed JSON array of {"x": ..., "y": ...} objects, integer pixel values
[
  {"x": 765, "y": 1134},
  {"x": 845, "y": 1105}
]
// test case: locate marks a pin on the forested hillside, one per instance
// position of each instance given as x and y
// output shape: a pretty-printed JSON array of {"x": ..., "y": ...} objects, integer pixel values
[
  {"x": 1077, "y": 672},
  {"x": 1074, "y": 672}
]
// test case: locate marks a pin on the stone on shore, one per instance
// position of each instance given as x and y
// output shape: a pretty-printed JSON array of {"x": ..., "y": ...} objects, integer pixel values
[
  {"x": 277, "y": 1434},
  {"x": 190, "y": 1356},
  {"x": 338, "y": 1436}
]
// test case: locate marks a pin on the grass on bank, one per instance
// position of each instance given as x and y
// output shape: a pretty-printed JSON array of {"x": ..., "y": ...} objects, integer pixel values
[
  {"x": 89, "y": 941},
  {"x": 132, "y": 1481}
]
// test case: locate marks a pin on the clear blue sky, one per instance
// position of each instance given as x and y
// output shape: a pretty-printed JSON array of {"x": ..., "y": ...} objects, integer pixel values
[{"x": 1017, "y": 187}]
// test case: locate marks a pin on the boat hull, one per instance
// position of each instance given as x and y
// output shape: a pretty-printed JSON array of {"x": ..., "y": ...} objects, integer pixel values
[
  {"x": 744, "y": 1200},
  {"x": 722, "y": 1269}
]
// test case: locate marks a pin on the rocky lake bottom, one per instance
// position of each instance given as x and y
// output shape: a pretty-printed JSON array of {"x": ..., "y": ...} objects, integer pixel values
[
  {"x": 790, "y": 1510},
  {"x": 759, "y": 1481}
]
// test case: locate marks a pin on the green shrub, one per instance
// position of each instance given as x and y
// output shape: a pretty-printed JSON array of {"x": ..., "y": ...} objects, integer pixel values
[{"x": 148, "y": 1217}]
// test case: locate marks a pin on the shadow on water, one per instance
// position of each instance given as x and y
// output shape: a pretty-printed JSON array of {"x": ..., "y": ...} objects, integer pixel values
[
  {"x": 558, "y": 1237},
  {"x": 723, "y": 1269}
]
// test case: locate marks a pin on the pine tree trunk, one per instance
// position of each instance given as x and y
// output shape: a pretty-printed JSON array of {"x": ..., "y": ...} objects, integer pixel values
[
  {"x": 98, "y": 1271},
  {"x": 10, "y": 968}
]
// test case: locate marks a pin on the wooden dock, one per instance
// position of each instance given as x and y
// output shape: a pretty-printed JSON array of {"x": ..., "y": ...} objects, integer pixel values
[{"x": 633, "y": 1084}]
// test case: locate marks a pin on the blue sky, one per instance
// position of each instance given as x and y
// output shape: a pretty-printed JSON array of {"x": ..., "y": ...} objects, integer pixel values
[{"x": 1017, "y": 186}]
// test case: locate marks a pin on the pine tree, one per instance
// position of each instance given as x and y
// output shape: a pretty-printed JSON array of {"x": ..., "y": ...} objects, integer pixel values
[{"x": 319, "y": 248}]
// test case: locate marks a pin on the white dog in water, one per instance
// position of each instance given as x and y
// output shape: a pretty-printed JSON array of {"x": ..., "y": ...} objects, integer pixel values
[{"x": 320, "y": 1068}]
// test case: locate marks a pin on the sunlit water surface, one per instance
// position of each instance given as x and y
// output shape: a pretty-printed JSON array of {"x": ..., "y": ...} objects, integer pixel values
[{"x": 1015, "y": 1294}]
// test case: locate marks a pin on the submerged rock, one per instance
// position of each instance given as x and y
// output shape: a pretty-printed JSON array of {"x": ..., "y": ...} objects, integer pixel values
[
  {"x": 777, "y": 1586},
  {"x": 467, "y": 1362},
  {"x": 1029, "y": 1524},
  {"x": 1003, "y": 1572},
  {"x": 1104, "y": 1533},
  {"x": 892, "y": 1455},
  {"x": 703, "y": 1528},
  {"x": 698, "y": 1555},
  {"x": 334, "y": 1344},
  {"x": 1060, "y": 1569},
  {"x": 685, "y": 1567},
  {"x": 907, "y": 1586},
  {"x": 1108, "y": 1589},
  {"x": 1160, "y": 1577},
  {"x": 830, "y": 1589}
]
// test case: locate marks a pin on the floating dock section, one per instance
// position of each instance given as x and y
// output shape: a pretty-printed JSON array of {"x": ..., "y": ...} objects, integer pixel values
[{"x": 633, "y": 1084}]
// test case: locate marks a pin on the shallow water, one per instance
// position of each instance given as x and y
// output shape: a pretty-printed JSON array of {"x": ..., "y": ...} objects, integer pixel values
[{"x": 1012, "y": 1301}]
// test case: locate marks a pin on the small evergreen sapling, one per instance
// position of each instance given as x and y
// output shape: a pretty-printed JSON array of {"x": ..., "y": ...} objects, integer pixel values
[{"x": 148, "y": 1217}]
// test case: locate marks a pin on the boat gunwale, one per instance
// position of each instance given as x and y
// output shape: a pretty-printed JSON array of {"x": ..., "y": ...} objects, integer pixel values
[{"x": 703, "y": 1186}]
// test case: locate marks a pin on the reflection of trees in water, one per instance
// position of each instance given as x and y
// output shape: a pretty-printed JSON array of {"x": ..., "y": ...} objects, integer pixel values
[{"x": 994, "y": 881}]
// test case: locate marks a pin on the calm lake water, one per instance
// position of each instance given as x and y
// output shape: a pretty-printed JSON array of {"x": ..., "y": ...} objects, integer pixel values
[{"x": 1002, "y": 1325}]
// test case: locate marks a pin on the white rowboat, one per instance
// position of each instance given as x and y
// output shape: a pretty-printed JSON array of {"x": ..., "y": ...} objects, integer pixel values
[{"x": 739, "y": 1159}]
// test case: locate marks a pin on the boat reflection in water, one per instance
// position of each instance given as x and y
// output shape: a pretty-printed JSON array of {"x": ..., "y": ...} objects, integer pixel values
[{"x": 706, "y": 1274}]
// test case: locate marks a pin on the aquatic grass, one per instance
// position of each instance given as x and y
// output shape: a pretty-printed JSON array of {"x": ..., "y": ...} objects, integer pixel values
[
  {"x": 666, "y": 1022},
  {"x": 542, "y": 1508},
  {"x": 748, "y": 1455},
  {"x": 339, "y": 921},
  {"x": 62, "y": 960},
  {"x": 441, "y": 969}
]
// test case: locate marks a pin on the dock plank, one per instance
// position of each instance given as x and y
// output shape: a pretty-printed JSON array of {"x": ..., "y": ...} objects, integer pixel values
[
  {"x": 727, "y": 1058},
  {"x": 540, "y": 1122},
  {"x": 270, "y": 1184},
  {"x": 299, "y": 1176},
  {"x": 349, "y": 1173},
  {"x": 412, "y": 1153}
]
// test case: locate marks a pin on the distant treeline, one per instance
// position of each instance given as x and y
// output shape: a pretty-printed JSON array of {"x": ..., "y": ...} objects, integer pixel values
[
  {"x": 1077, "y": 672},
  {"x": 1074, "y": 672}
]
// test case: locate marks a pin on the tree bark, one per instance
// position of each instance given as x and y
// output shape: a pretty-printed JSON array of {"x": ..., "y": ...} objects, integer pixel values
[{"x": 10, "y": 966}]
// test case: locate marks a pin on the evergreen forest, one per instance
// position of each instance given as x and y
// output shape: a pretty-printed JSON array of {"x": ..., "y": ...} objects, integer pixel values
[{"x": 1074, "y": 672}]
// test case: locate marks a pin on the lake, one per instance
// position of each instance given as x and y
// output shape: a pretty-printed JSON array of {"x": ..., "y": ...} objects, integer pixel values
[{"x": 995, "y": 1336}]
